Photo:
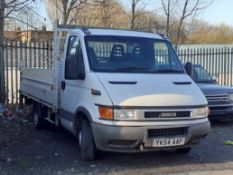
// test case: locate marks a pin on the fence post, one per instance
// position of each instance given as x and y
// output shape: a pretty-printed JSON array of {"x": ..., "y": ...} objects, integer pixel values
[
  {"x": 2, "y": 85},
  {"x": 2, "y": 77}
]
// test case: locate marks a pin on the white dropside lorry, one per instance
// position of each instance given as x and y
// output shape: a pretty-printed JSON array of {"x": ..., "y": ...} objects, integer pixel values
[{"x": 117, "y": 90}]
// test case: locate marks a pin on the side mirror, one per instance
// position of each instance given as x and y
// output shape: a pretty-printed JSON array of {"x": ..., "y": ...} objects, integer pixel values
[
  {"x": 70, "y": 69},
  {"x": 214, "y": 78},
  {"x": 189, "y": 68},
  {"x": 75, "y": 69}
]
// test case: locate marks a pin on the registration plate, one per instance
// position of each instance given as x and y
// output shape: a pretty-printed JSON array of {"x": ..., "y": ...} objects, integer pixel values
[{"x": 166, "y": 142}]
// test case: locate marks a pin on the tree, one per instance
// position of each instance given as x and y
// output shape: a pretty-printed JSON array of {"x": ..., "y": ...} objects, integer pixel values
[
  {"x": 96, "y": 12},
  {"x": 188, "y": 10},
  {"x": 168, "y": 8},
  {"x": 7, "y": 7},
  {"x": 137, "y": 9},
  {"x": 102, "y": 13},
  {"x": 204, "y": 33},
  {"x": 64, "y": 9},
  {"x": 181, "y": 10},
  {"x": 99, "y": 13},
  {"x": 148, "y": 22},
  {"x": 105, "y": 11}
]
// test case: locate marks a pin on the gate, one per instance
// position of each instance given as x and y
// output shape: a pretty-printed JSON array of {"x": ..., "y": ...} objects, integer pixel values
[{"x": 18, "y": 55}]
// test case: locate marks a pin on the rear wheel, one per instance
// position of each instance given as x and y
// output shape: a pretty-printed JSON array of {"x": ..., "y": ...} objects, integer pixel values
[
  {"x": 38, "y": 119},
  {"x": 86, "y": 141},
  {"x": 184, "y": 150}
]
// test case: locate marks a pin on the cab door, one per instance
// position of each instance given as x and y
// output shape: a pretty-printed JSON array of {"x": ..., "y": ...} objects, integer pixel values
[{"x": 74, "y": 77}]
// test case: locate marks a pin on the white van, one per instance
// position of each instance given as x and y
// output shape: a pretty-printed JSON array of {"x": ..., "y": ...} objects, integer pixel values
[{"x": 116, "y": 90}]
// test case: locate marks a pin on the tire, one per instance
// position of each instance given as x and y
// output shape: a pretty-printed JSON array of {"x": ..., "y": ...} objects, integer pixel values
[
  {"x": 38, "y": 119},
  {"x": 183, "y": 150},
  {"x": 86, "y": 141}
]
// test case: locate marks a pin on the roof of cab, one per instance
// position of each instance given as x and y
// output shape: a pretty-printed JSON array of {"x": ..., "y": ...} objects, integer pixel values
[{"x": 115, "y": 32}]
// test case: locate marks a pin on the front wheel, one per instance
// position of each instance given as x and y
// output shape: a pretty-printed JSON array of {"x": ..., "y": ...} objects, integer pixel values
[{"x": 86, "y": 141}]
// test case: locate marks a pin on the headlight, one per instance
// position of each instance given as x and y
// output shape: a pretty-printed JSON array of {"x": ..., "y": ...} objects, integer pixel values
[
  {"x": 107, "y": 113},
  {"x": 200, "y": 112},
  {"x": 125, "y": 114},
  {"x": 231, "y": 97}
]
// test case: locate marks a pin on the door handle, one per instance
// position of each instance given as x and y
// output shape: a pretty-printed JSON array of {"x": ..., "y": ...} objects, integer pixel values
[{"x": 63, "y": 85}]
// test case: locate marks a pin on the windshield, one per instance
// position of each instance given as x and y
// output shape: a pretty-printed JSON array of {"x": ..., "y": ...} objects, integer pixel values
[
  {"x": 131, "y": 54},
  {"x": 200, "y": 75}
]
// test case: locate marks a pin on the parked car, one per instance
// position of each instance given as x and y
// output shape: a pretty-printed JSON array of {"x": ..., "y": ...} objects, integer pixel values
[
  {"x": 116, "y": 90},
  {"x": 220, "y": 98}
]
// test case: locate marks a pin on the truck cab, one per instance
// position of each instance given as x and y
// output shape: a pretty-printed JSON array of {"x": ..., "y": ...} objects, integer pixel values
[
  {"x": 220, "y": 98},
  {"x": 121, "y": 91}
]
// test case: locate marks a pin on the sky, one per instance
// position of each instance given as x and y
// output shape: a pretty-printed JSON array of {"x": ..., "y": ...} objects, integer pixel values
[{"x": 220, "y": 11}]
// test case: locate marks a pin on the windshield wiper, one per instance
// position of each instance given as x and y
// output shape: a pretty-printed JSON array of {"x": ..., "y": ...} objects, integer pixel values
[
  {"x": 168, "y": 71},
  {"x": 130, "y": 69}
]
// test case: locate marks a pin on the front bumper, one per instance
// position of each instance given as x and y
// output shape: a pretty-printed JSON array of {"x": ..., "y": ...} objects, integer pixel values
[
  {"x": 131, "y": 138},
  {"x": 221, "y": 113}
]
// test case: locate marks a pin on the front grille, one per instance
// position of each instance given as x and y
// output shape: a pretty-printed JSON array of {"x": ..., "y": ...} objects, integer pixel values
[
  {"x": 217, "y": 99},
  {"x": 170, "y": 114},
  {"x": 221, "y": 108},
  {"x": 166, "y": 132}
]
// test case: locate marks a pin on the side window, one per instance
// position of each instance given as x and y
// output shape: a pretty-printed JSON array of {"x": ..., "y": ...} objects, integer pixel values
[
  {"x": 72, "y": 47},
  {"x": 163, "y": 57},
  {"x": 161, "y": 53},
  {"x": 201, "y": 74},
  {"x": 74, "y": 59}
]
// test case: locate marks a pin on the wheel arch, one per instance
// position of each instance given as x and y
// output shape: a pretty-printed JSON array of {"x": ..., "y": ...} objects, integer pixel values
[{"x": 81, "y": 114}]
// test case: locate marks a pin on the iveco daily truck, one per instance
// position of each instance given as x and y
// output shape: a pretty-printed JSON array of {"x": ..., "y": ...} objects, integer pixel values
[{"x": 116, "y": 90}]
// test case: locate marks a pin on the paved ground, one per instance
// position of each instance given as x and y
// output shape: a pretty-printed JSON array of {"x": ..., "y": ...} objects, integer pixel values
[{"x": 24, "y": 150}]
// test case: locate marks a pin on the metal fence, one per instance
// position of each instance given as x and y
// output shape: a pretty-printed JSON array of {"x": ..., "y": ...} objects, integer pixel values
[
  {"x": 218, "y": 61},
  {"x": 18, "y": 55}
]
